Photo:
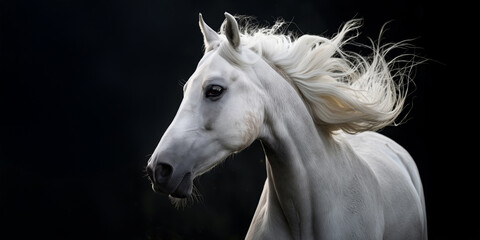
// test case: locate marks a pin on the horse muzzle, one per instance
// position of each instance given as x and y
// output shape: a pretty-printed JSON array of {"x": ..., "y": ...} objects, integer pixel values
[{"x": 166, "y": 179}]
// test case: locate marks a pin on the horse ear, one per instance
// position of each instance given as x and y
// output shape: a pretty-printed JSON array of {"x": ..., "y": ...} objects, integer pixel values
[
  {"x": 231, "y": 30},
  {"x": 209, "y": 35}
]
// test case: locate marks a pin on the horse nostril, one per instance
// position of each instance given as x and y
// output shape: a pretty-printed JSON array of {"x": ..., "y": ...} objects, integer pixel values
[{"x": 163, "y": 171}]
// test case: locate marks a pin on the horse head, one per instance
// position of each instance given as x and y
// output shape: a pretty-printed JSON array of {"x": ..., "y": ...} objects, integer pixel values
[{"x": 221, "y": 113}]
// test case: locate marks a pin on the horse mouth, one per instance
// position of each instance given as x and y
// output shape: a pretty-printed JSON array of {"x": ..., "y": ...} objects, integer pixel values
[{"x": 182, "y": 190}]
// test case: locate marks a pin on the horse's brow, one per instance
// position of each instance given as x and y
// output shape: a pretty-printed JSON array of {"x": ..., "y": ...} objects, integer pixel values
[{"x": 212, "y": 79}]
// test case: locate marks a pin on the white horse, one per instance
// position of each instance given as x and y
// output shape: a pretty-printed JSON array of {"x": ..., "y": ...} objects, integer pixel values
[{"x": 314, "y": 108}]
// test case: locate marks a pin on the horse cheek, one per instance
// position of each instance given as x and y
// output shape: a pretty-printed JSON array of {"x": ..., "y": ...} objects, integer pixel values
[{"x": 251, "y": 126}]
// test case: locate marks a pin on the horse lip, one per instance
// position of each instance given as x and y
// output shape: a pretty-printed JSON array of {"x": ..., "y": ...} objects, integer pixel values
[{"x": 184, "y": 188}]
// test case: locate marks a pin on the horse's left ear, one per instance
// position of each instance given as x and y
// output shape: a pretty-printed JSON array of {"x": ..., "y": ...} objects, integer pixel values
[
  {"x": 231, "y": 30},
  {"x": 209, "y": 35}
]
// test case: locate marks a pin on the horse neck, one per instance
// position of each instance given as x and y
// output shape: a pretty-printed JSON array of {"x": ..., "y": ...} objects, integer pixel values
[
  {"x": 290, "y": 137},
  {"x": 302, "y": 162}
]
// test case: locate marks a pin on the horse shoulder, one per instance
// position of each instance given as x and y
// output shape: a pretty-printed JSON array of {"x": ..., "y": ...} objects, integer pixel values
[{"x": 398, "y": 180}]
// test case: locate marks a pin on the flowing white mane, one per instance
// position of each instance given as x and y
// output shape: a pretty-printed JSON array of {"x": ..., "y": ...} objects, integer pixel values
[{"x": 342, "y": 90}]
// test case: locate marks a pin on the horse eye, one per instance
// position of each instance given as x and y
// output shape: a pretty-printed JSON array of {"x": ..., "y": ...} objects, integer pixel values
[{"x": 214, "y": 92}]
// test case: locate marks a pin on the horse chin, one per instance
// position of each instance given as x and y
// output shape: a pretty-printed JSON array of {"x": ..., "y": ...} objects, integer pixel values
[
  {"x": 180, "y": 194},
  {"x": 184, "y": 189},
  {"x": 183, "y": 195}
]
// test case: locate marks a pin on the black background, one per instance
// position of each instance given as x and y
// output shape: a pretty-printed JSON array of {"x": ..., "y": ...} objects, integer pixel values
[{"x": 88, "y": 88}]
